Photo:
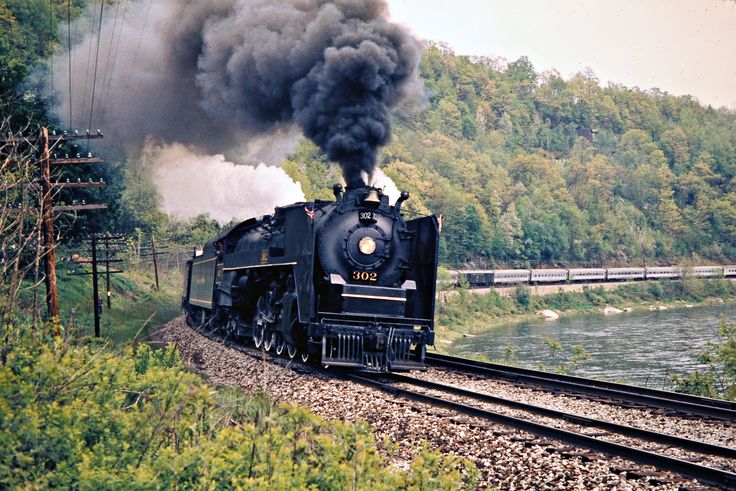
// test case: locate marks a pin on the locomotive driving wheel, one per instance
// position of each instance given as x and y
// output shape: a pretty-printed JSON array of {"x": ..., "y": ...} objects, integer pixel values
[
  {"x": 279, "y": 343},
  {"x": 262, "y": 318},
  {"x": 291, "y": 350},
  {"x": 258, "y": 333}
]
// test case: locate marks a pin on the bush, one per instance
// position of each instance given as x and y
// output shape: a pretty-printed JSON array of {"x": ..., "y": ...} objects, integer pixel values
[
  {"x": 718, "y": 379},
  {"x": 523, "y": 296},
  {"x": 595, "y": 296},
  {"x": 76, "y": 415}
]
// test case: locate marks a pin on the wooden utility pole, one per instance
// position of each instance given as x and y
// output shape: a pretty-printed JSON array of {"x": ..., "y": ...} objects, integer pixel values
[
  {"x": 155, "y": 253},
  {"x": 95, "y": 288},
  {"x": 107, "y": 271},
  {"x": 49, "y": 240},
  {"x": 155, "y": 259},
  {"x": 96, "y": 300}
]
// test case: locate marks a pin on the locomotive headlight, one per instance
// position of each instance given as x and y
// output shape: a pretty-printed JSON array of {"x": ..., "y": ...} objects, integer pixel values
[{"x": 367, "y": 246}]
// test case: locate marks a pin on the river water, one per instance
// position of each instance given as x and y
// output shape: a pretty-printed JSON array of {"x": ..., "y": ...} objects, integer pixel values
[{"x": 640, "y": 348}]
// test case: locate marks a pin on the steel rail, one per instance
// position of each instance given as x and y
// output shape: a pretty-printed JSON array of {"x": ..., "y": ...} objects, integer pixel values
[
  {"x": 653, "y": 436},
  {"x": 702, "y": 473},
  {"x": 685, "y": 403}
]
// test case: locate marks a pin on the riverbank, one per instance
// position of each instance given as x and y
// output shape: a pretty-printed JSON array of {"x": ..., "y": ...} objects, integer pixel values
[{"x": 466, "y": 313}]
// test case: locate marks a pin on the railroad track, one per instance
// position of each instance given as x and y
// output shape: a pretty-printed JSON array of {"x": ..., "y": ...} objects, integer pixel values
[
  {"x": 710, "y": 475},
  {"x": 633, "y": 395}
]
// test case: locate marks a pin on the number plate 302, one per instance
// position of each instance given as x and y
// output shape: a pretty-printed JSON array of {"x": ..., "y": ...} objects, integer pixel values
[{"x": 364, "y": 276}]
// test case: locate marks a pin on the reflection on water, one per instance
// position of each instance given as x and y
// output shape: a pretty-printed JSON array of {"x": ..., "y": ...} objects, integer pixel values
[{"x": 640, "y": 348}]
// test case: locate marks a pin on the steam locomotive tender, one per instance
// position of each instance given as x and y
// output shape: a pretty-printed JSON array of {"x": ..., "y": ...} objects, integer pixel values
[{"x": 349, "y": 283}]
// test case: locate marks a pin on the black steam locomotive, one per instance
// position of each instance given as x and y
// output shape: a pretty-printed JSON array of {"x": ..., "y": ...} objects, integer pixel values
[{"x": 347, "y": 282}]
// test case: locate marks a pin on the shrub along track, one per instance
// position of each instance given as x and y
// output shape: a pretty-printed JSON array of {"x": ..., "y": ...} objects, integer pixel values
[{"x": 506, "y": 457}]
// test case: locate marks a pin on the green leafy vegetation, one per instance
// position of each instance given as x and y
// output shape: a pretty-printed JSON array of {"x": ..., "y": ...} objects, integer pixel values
[
  {"x": 528, "y": 168},
  {"x": 566, "y": 361},
  {"x": 74, "y": 414},
  {"x": 718, "y": 379}
]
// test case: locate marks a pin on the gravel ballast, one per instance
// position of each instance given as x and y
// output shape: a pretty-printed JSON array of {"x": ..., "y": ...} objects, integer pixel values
[{"x": 506, "y": 458}]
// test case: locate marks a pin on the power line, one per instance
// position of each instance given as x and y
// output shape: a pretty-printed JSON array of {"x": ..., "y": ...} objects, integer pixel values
[
  {"x": 140, "y": 39},
  {"x": 50, "y": 40},
  {"x": 69, "y": 48},
  {"x": 89, "y": 62},
  {"x": 94, "y": 79},
  {"x": 115, "y": 56},
  {"x": 101, "y": 106}
]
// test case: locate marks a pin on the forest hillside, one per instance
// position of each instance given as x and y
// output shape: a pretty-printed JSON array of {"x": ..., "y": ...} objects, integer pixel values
[{"x": 528, "y": 168}]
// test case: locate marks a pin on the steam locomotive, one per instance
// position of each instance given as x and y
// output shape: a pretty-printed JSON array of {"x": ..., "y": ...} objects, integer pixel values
[{"x": 346, "y": 283}]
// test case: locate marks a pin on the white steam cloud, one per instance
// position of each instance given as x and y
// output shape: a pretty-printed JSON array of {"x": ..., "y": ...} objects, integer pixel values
[
  {"x": 382, "y": 181},
  {"x": 190, "y": 183}
]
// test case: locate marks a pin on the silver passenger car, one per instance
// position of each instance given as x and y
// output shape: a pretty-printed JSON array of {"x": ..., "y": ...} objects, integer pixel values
[
  {"x": 614, "y": 274},
  {"x": 729, "y": 271},
  {"x": 587, "y": 274},
  {"x": 663, "y": 272},
  {"x": 548, "y": 275},
  {"x": 510, "y": 276},
  {"x": 706, "y": 271}
]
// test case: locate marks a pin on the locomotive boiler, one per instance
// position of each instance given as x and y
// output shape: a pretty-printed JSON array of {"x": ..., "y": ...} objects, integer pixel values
[{"x": 346, "y": 283}]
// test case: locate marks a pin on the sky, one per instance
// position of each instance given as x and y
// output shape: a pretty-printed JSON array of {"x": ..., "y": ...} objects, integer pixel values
[{"x": 679, "y": 46}]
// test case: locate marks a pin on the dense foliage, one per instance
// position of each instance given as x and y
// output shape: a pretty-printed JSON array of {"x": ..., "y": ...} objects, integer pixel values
[
  {"x": 530, "y": 168},
  {"x": 78, "y": 416}
]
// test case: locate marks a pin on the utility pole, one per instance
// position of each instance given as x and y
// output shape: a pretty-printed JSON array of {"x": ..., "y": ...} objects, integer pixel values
[
  {"x": 95, "y": 288},
  {"x": 155, "y": 254},
  {"x": 45, "y": 143},
  {"x": 96, "y": 300},
  {"x": 49, "y": 240},
  {"x": 107, "y": 271},
  {"x": 155, "y": 261}
]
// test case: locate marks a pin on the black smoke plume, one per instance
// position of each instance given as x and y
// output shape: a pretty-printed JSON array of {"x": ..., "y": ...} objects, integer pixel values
[{"x": 214, "y": 73}]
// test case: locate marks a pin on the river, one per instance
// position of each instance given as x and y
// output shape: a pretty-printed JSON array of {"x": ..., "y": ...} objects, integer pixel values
[{"x": 640, "y": 348}]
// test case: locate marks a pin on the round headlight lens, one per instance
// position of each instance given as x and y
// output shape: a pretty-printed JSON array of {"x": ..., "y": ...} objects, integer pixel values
[{"x": 367, "y": 246}]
